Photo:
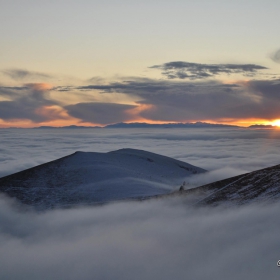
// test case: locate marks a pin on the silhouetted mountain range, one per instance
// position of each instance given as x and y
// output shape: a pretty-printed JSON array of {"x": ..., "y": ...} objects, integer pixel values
[
  {"x": 146, "y": 125},
  {"x": 149, "y": 125}
]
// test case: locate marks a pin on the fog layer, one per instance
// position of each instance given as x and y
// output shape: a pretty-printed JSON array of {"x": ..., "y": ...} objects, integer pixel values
[
  {"x": 224, "y": 152},
  {"x": 144, "y": 240},
  {"x": 148, "y": 240}
]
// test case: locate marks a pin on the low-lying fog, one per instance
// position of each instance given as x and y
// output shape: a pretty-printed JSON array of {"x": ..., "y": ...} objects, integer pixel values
[
  {"x": 224, "y": 152},
  {"x": 142, "y": 240}
]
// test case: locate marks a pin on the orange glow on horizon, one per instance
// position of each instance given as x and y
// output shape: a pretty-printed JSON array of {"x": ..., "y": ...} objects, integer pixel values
[{"x": 56, "y": 116}]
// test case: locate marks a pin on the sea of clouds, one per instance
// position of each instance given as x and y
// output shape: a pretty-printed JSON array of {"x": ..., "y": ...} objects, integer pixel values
[
  {"x": 142, "y": 240},
  {"x": 223, "y": 152}
]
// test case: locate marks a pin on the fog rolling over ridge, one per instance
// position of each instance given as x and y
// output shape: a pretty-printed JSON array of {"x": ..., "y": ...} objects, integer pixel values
[{"x": 260, "y": 187}]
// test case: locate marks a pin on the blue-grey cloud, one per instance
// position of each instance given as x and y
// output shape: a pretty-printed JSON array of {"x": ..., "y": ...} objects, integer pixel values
[
  {"x": 187, "y": 101},
  {"x": 276, "y": 56},
  {"x": 101, "y": 113},
  {"x": 189, "y": 70},
  {"x": 24, "y": 102},
  {"x": 21, "y": 74},
  {"x": 179, "y": 101}
]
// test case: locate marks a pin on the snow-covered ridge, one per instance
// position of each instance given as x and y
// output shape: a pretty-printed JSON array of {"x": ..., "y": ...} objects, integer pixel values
[
  {"x": 258, "y": 186},
  {"x": 89, "y": 177}
]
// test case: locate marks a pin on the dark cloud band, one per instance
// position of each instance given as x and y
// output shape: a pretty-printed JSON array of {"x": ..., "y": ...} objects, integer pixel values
[
  {"x": 188, "y": 70},
  {"x": 24, "y": 102},
  {"x": 187, "y": 101},
  {"x": 101, "y": 113}
]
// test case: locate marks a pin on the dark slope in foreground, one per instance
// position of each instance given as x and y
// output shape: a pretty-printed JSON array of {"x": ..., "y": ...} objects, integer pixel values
[
  {"x": 257, "y": 186},
  {"x": 89, "y": 178}
]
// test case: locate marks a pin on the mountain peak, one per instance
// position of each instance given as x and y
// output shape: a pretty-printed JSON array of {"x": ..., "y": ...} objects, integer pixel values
[{"x": 92, "y": 178}]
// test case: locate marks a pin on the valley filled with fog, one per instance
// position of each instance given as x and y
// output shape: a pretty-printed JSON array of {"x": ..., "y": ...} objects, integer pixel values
[
  {"x": 224, "y": 152},
  {"x": 161, "y": 239}
]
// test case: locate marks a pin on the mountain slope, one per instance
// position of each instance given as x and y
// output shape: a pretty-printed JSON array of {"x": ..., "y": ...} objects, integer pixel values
[
  {"x": 257, "y": 186},
  {"x": 88, "y": 178}
]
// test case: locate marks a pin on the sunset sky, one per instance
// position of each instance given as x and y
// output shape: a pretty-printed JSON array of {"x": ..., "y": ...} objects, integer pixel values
[{"x": 101, "y": 62}]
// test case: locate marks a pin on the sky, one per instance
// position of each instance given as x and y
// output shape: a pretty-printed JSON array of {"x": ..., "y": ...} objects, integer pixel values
[{"x": 101, "y": 62}]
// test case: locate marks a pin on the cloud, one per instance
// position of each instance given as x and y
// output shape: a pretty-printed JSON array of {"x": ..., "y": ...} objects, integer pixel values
[
  {"x": 101, "y": 113},
  {"x": 276, "y": 56},
  {"x": 188, "y": 70},
  {"x": 211, "y": 100},
  {"x": 135, "y": 86},
  {"x": 21, "y": 74},
  {"x": 237, "y": 150},
  {"x": 159, "y": 100},
  {"x": 212, "y": 176},
  {"x": 25, "y": 102},
  {"x": 155, "y": 100},
  {"x": 148, "y": 240}
]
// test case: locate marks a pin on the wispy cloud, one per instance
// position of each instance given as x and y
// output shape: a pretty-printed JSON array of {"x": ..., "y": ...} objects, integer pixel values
[
  {"x": 189, "y": 70},
  {"x": 22, "y": 74},
  {"x": 276, "y": 56}
]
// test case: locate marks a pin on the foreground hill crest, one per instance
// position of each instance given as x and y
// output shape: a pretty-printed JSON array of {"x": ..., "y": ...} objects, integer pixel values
[{"x": 90, "y": 178}]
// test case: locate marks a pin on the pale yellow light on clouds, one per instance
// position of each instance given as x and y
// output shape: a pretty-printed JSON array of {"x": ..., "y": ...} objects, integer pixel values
[{"x": 75, "y": 96}]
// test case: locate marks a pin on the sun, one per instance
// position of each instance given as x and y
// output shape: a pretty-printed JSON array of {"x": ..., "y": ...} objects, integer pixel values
[{"x": 276, "y": 123}]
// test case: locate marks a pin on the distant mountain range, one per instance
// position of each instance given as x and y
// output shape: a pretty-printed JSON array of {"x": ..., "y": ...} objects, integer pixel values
[
  {"x": 66, "y": 127},
  {"x": 148, "y": 125},
  {"x": 145, "y": 125},
  {"x": 167, "y": 125},
  {"x": 261, "y": 126}
]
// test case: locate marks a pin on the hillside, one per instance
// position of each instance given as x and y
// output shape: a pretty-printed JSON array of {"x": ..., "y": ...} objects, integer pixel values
[
  {"x": 93, "y": 178},
  {"x": 257, "y": 186}
]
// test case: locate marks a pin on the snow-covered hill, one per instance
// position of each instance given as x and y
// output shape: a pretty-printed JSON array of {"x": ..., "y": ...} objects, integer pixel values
[
  {"x": 257, "y": 186},
  {"x": 88, "y": 178}
]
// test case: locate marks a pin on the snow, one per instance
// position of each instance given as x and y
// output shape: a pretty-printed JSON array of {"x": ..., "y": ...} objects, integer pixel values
[
  {"x": 85, "y": 178},
  {"x": 90, "y": 177},
  {"x": 258, "y": 186}
]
